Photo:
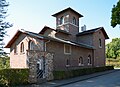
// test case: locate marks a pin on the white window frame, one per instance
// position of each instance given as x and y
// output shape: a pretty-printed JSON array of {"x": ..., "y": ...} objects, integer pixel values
[
  {"x": 74, "y": 21},
  {"x": 100, "y": 43},
  {"x": 65, "y": 49}
]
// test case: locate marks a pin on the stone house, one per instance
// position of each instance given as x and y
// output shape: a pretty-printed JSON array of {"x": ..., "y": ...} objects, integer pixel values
[{"x": 70, "y": 49}]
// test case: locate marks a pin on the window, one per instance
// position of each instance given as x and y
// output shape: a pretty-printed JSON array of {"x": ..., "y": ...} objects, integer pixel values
[
  {"x": 67, "y": 49},
  {"x": 100, "y": 43},
  {"x": 62, "y": 20},
  {"x": 89, "y": 60},
  {"x": 22, "y": 47},
  {"x": 30, "y": 45},
  {"x": 67, "y": 62},
  {"x": 15, "y": 49},
  {"x": 74, "y": 20},
  {"x": 66, "y": 18},
  {"x": 80, "y": 61}
]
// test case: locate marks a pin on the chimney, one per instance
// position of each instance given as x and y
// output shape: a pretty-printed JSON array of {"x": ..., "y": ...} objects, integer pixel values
[{"x": 83, "y": 28}]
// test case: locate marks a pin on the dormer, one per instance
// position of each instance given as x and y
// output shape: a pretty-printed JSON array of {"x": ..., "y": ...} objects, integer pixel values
[{"x": 68, "y": 20}]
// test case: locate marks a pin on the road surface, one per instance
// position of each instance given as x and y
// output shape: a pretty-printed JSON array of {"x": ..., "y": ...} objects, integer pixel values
[{"x": 108, "y": 80}]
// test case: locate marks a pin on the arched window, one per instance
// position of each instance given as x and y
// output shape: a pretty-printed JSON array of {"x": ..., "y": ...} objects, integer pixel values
[
  {"x": 30, "y": 45},
  {"x": 89, "y": 60},
  {"x": 100, "y": 43},
  {"x": 74, "y": 20},
  {"x": 62, "y": 20},
  {"x": 66, "y": 18},
  {"x": 68, "y": 62},
  {"x": 80, "y": 61},
  {"x": 15, "y": 49},
  {"x": 22, "y": 47}
]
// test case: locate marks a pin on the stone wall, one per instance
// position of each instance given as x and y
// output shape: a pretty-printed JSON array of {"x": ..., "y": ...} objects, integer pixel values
[{"x": 33, "y": 57}]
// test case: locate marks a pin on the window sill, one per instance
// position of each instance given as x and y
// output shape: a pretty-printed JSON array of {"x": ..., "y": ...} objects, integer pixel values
[
  {"x": 100, "y": 46},
  {"x": 80, "y": 64},
  {"x": 67, "y": 65},
  {"x": 22, "y": 53},
  {"x": 89, "y": 64},
  {"x": 67, "y": 53},
  {"x": 66, "y": 24}
]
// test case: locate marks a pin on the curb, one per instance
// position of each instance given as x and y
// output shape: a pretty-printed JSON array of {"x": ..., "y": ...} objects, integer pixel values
[{"x": 87, "y": 77}]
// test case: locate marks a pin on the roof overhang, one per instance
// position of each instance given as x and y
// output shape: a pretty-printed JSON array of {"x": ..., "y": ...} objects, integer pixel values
[{"x": 67, "y": 9}]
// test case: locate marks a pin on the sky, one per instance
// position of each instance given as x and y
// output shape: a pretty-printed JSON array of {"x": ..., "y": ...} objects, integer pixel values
[{"x": 33, "y": 15}]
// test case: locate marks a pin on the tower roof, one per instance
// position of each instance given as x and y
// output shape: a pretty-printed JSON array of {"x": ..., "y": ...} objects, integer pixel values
[{"x": 67, "y": 9}]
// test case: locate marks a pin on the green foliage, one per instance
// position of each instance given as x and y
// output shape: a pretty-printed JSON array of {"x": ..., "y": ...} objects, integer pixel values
[
  {"x": 4, "y": 62},
  {"x": 79, "y": 72},
  {"x": 3, "y": 25},
  {"x": 115, "y": 19},
  {"x": 113, "y": 62},
  {"x": 113, "y": 48},
  {"x": 13, "y": 77}
]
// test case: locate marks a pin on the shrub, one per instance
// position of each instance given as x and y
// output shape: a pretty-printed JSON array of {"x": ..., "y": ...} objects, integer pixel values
[
  {"x": 13, "y": 76},
  {"x": 79, "y": 72}
]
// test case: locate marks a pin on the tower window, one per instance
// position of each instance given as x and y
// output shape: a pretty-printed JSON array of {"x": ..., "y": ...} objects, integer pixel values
[
  {"x": 74, "y": 20},
  {"x": 62, "y": 20},
  {"x": 66, "y": 18}
]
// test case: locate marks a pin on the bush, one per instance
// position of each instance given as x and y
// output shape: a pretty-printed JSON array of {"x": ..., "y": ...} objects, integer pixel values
[
  {"x": 13, "y": 76},
  {"x": 79, "y": 72}
]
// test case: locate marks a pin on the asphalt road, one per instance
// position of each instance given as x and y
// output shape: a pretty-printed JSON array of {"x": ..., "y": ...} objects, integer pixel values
[{"x": 108, "y": 80}]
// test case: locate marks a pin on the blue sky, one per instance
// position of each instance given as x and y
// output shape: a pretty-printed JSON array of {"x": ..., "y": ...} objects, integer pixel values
[{"x": 33, "y": 15}]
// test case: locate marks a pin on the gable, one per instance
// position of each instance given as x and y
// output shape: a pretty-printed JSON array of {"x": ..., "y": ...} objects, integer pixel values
[
  {"x": 20, "y": 39},
  {"x": 18, "y": 33},
  {"x": 46, "y": 30},
  {"x": 13, "y": 39},
  {"x": 93, "y": 31}
]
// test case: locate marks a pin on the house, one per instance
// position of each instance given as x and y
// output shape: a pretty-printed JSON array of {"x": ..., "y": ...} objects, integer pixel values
[{"x": 71, "y": 49}]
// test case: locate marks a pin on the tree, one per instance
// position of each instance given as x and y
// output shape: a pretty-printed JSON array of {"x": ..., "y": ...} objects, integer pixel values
[
  {"x": 115, "y": 19},
  {"x": 4, "y": 62},
  {"x": 3, "y": 25},
  {"x": 113, "y": 48}
]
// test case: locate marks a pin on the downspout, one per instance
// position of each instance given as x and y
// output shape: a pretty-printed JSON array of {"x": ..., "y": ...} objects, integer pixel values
[{"x": 45, "y": 45}]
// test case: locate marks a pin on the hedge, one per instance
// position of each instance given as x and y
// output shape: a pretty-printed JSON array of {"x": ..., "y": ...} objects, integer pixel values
[
  {"x": 13, "y": 76},
  {"x": 79, "y": 72}
]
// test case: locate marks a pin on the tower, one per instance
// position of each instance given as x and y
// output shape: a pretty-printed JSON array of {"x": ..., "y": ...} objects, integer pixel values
[{"x": 67, "y": 20}]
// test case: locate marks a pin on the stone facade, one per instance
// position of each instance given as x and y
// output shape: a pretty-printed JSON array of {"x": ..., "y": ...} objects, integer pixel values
[{"x": 34, "y": 56}]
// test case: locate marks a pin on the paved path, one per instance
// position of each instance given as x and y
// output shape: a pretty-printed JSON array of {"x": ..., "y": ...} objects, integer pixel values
[{"x": 107, "y": 80}]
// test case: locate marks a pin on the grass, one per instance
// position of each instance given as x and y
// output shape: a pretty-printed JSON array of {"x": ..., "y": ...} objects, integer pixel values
[{"x": 113, "y": 62}]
